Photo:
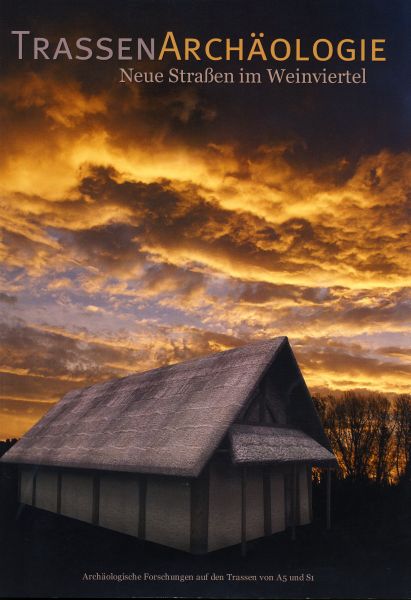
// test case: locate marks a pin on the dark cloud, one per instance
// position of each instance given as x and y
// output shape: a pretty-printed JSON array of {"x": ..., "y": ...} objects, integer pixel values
[
  {"x": 396, "y": 351},
  {"x": 41, "y": 353},
  {"x": 8, "y": 299},
  {"x": 165, "y": 219},
  {"x": 112, "y": 248},
  {"x": 333, "y": 360},
  {"x": 312, "y": 117},
  {"x": 39, "y": 365},
  {"x": 164, "y": 278},
  {"x": 261, "y": 293}
]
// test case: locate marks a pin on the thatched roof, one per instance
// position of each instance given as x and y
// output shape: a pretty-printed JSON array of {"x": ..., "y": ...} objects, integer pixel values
[
  {"x": 167, "y": 421},
  {"x": 252, "y": 444}
]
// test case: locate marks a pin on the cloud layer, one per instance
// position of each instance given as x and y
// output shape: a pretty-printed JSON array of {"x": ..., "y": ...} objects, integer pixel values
[{"x": 139, "y": 227}]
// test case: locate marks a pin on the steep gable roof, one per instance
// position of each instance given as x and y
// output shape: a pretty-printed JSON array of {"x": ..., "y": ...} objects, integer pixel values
[{"x": 167, "y": 421}]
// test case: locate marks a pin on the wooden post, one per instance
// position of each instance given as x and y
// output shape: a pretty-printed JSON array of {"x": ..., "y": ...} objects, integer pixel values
[
  {"x": 142, "y": 506},
  {"x": 96, "y": 500},
  {"x": 261, "y": 408},
  {"x": 58, "y": 509},
  {"x": 244, "y": 511},
  {"x": 328, "y": 515},
  {"x": 34, "y": 488},
  {"x": 19, "y": 475},
  {"x": 267, "y": 500},
  {"x": 288, "y": 497},
  {"x": 199, "y": 506},
  {"x": 310, "y": 491},
  {"x": 294, "y": 503}
]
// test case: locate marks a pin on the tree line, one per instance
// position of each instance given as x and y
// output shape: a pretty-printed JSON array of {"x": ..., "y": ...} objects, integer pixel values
[{"x": 370, "y": 435}]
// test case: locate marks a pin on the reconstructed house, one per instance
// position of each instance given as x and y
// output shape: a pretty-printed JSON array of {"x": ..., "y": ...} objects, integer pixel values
[{"x": 197, "y": 456}]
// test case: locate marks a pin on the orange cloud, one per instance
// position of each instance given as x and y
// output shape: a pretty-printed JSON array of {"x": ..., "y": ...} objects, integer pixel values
[{"x": 128, "y": 242}]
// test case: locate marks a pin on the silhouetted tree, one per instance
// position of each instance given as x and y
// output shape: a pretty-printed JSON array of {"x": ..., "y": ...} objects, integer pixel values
[
  {"x": 352, "y": 433},
  {"x": 402, "y": 434},
  {"x": 383, "y": 451},
  {"x": 370, "y": 435}
]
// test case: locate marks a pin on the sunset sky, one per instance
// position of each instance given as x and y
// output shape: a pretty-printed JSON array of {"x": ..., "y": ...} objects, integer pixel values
[{"x": 144, "y": 225}]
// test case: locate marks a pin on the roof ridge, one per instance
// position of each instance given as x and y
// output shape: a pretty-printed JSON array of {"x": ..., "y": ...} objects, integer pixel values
[
  {"x": 210, "y": 355},
  {"x": 181, "y": 363}
]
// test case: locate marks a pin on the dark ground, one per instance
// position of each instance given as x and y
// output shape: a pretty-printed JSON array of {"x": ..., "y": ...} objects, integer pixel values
[{"x": 365, "y": 555}]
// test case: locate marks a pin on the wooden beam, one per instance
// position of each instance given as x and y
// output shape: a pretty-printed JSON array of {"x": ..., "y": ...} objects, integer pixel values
[
  {"x": 19, "y": 476},
  {"x": 267, "y": 500},
  {"x": 261, "y": 407},
  {"x": 328, "y": 509},
  {"x": 96, "y": 500},
  {"x": 59, "y": 478},
  {"x": 294, "y": 503},
  {"x": 34, "y": 488},
  {"x": 310, "y": 491},
  {"x": 288, "y": 486},
  {"x": 244, "y": 511},
  {"x": 142, "y": 506},
  {"x": 244, "y": 413},
  {"x": 199, "y": 513}
]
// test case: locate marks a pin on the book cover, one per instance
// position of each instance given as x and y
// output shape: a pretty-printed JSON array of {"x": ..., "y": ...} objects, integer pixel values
[{"x": 205, "y": 307}]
